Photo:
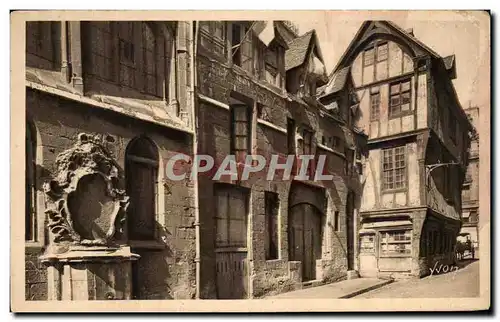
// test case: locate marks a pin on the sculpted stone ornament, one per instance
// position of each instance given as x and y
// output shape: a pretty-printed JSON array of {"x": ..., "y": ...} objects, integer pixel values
[{"x": 85, "y": 206}]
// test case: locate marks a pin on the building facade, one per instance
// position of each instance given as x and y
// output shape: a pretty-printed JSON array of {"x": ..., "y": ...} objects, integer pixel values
[
  {"x": 418, "y": 141},
  {"x": 264, "y": 236},
  {"x": 470, "y": 189},
  {"x": 102, "y": 93}
]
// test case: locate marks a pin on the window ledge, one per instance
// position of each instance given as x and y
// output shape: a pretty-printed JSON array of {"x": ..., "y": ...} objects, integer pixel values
[
  {"x": 396, "y": 256},
  {"x": 147, "y": 244},
  {"x": 394, "y": 190},
  {"x": 33, "y": 246}
]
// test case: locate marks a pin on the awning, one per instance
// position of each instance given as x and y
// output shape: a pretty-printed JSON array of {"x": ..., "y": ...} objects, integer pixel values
[{"x": 384, "y": 224}]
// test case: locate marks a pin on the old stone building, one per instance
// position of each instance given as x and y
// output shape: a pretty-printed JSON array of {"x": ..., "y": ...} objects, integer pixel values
[
  {"x": 108, "y": 101},
  {"x": 418, "y": 140},
  {"x": 260, "y": 236},
  {"x": 470, "y": 188}
]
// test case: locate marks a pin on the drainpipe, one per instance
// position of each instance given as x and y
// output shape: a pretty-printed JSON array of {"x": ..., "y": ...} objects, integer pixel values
[{"x": 193, "y": 33}]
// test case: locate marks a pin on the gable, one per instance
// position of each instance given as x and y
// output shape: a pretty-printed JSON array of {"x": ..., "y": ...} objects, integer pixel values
[{"x": 371, "y": 30}]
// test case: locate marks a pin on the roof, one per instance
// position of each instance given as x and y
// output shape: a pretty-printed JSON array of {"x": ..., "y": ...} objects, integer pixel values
[
  {"x": 404, "y": 33},
  {"x": 448, "y": 61},
  {"x": 337, "y": 82},
  {"x": 297, "y": 50}
]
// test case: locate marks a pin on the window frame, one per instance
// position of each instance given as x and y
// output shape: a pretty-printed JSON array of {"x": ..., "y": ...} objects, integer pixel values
[
  {"x": 375, "y": 98},
  {"x": 393, "y": 169},
  {"x": 400, "y": 94},
  {"x": 235, "y": 150},
  {"x": 386, "y": 241},
  {"x": 131, "y": 161}
]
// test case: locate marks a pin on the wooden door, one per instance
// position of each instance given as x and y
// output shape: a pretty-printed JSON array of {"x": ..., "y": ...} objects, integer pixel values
[
  {"x": 305, "y": 238},
  {"x": 232, "y": 275},
  {"x": 231, "y": 244}
]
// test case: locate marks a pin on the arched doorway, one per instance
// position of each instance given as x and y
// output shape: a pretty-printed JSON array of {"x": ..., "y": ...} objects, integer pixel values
[{"x": 305, "y": 237}]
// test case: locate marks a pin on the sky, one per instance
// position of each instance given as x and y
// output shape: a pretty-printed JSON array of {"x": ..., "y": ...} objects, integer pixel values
[{"x": 465, "y": 34}]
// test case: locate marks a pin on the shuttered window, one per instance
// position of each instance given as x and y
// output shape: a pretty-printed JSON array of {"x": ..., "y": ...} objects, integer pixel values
[{"x": 231, "y": 217}]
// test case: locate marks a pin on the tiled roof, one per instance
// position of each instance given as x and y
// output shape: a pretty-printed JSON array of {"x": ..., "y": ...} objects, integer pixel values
[
  {"x": 297, "y": 50},
  {"x": 337, "y": 82}
]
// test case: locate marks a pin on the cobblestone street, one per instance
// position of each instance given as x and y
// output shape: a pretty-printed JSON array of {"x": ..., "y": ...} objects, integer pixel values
[{"x": 461, "y": 283}]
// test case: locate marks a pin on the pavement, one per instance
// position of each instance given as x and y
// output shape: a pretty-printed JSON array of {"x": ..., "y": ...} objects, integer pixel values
[
  {"x": 460, "y": 283},
  {"x": 340, "y": 290},
  {"x": 455, "y": 283}
]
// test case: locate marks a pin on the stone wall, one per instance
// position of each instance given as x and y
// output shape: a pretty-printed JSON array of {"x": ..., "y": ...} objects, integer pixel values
[
  {"x": 167, "y": 267},
  {"x": 219, "y": 82}
]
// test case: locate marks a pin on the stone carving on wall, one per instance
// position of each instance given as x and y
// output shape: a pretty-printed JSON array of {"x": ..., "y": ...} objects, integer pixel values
[{"x": 85, "y": 205}]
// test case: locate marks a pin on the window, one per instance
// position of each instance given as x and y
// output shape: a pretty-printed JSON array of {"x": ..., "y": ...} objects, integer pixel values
[
  {"x": 236, "y": 44},
  {"x": 400, "y": 98},
  {"x": 336, "y": 221},
  {"x": 149, "y": 58},
  {"x": 376, "y": 58},
  {"x": 241, "y": 124},
  {"x": 141, "y": 170},
  {"x": 213, "y": 36},
  {"x": 367, "y": 244},
  {"x": 30, "y": 176},
  {"x": 241, "y": 46},
  {"x": 41, "y": 41},
  {"x": 369, "y": 57},
  {"x": 290, "y": 131},
  {"x": 231, "y": 217},
  {"x": 102, "y": 49},
  {"x": 466, "y": 192},
  {"x": 395, "y": 242},
  {"x": 336, "y": 143},
  {"x": 126, "y": 53},
  {"x": 271, "y": 66},
  {"x": 394, "y": 168},
  {"x": 306, "y": 148},
  {"x": 271, "y": 228},
  {"x": 374, "y": 106}
]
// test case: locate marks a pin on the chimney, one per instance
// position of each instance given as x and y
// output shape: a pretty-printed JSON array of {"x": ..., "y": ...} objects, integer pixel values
[{"x": 410, "y": 31}]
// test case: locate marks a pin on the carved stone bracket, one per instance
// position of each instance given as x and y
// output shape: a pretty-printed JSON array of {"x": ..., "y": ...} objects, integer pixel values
[{"x": 85, "y": 205}]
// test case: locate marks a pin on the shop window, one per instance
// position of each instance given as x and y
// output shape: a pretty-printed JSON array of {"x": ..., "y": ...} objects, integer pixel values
[
  {"x": 367, "y": 244},
  {"x": 395, "y": 242}
]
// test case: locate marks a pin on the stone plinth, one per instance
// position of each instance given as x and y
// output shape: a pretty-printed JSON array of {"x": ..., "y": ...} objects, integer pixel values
[{"x": 89, "y": 273}]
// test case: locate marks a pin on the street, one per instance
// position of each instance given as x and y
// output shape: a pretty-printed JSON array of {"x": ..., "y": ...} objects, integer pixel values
[{"x": 457, "y": 283}]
